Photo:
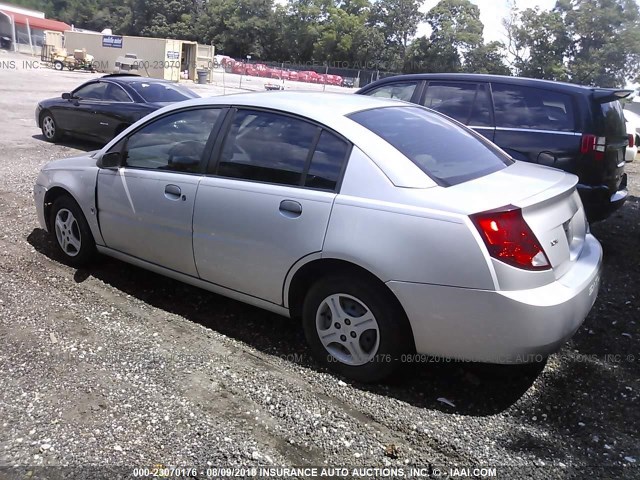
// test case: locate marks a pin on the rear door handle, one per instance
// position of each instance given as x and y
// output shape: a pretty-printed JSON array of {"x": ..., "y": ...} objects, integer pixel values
[
  {"x": 173, "y": 192},
  {"x": 290, "y": 208}
]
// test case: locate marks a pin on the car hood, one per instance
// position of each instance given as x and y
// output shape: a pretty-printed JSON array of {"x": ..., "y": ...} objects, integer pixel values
[{"x": 80, "y": 162}]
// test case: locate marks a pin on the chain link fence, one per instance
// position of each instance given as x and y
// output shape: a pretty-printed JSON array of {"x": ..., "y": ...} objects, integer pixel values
[{"x": 250, "y": 75}]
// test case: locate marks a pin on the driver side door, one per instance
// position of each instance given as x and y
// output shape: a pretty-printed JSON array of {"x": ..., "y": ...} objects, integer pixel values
[
  {"x": 145, "y": 207},
  {"x": 77, "y": 114}
]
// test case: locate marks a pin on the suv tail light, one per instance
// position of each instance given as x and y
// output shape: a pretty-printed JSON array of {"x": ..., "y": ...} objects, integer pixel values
[
  {"x": 509, "y": 239},
  {"x": 593, "y": 144},
  {"x": 632, "y": 137}
]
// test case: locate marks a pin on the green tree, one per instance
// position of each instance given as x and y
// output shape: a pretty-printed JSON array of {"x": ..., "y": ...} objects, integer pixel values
[
  {"x": 487, "y": 58},
  {"x": 606, "y": 46},
  {"x": 456, "y": 25},
  {"x": 237, "y": 27},
  {"x": 592, "y": 42},
  {"x": 538, "y": 42},
  {"x": 456, "y": 43},
  {"x": 398, "y": 22},
  {"x": 345, "y": 38}
]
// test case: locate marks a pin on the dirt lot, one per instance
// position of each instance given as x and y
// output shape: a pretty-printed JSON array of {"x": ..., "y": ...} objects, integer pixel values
[{"x": 116, "y": 366}]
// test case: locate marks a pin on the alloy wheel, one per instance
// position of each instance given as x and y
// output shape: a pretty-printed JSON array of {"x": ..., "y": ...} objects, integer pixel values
[
  {"x": 68, "y": 232},
  {"x": 48, "y": 127},
  {"x": 347, "y": 329}
]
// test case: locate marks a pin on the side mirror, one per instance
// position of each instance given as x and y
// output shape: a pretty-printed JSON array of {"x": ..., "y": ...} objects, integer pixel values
[
  {"x": 110, "y": 160},
  {"x": 67, "y": 96}
]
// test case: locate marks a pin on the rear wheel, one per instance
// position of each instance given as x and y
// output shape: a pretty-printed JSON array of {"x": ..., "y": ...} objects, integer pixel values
[
  {"x": 58, "y": 65},
  {"x": 356, "y": 327},
  {"x": 71, "y": 231},
  {"x": 49, "y": 128}
]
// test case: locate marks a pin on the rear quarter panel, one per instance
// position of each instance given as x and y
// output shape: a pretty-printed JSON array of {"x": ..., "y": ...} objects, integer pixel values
[{"x": 373, "y": 224}]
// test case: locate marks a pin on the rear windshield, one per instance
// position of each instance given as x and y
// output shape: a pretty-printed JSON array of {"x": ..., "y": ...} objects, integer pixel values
[
  {"x": 162, "y": 92},
  {"x": 444, "y": 150},
  {"x": 614, "y": 125}
]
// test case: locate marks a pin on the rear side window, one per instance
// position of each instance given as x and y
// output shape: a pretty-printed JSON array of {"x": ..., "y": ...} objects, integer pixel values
[
  {"x": 327, "y": 162},
  {"x": 162, "y": 92},
  {"x": 532, "y": 108},
  {"x": 468, "y": 103},
  {"x": 267, "y": 147},
  {"x": 448, "y": 153},
  {"x": 613, "y": 116},
  {"x": 399, "y": 91}
]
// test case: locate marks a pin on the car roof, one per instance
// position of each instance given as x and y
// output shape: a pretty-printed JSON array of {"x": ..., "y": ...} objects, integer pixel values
[
  {"x": 481, "y": 77},
  {"x": 320, "y": 106},
  {"x": 130, "y": 78},
  {"x": 327, "y": 109}
]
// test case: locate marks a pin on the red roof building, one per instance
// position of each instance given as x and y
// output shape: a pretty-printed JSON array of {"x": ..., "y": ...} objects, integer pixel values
[{"x": 36, "y": 22}]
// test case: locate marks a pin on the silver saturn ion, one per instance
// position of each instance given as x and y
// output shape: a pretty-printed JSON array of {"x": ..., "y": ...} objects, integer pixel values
[{"x": 390, "y": 229}]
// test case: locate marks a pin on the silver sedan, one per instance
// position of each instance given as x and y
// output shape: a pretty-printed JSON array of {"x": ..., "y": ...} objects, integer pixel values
[{"x": 389, "y": 229}]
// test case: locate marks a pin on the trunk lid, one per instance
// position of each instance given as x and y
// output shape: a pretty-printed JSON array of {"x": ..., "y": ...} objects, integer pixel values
[{"x": 550, "y": 206}]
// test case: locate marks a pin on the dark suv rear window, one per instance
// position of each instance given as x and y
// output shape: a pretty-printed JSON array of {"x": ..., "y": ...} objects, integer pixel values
[
  {"x": 614, "y": 124},
  {"x": 447, "y": 152}
]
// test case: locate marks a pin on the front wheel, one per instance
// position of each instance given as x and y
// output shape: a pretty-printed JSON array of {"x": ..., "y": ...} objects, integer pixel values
[
  {"x": 71, "y": 231},
  {"x": 49, "y": 128},
  {"x": 356, "y": 327}
]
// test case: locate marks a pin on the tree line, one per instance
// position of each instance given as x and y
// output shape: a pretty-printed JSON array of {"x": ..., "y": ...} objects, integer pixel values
[{"x": 592, "y": 42}]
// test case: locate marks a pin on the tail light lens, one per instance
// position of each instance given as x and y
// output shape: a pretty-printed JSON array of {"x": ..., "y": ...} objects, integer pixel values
[
  {"x": 509, "y": 239},
  {"x": 631, "y": 139},
  {"x": 593, "y": 144}
]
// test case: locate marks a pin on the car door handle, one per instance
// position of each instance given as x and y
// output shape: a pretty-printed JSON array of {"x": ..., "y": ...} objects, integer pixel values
[
  {"x": 173, "y": 192},
  {"x": 290, "y": 208}
]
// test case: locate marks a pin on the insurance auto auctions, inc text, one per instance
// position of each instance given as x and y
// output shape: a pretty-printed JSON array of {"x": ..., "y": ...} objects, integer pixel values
[{"x": 357, "y": 472}]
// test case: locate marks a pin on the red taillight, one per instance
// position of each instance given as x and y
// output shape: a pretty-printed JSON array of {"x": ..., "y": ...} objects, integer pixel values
[
  {"x": 631, "y": 139},
  {"x": 588, "y": 143},
  {"x": 593, "y": 144},
  {"x": 509, "y": 239}
]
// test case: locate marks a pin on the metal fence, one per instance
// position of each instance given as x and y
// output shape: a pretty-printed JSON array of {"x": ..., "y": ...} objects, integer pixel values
[{"x": 260, "y": 75}]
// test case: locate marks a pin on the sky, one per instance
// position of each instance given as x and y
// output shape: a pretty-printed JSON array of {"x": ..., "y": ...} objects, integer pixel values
[{"x": 491, "y": 14}]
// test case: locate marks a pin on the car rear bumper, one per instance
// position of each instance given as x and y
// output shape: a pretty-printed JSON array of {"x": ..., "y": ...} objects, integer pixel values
[
  {"x": 599, "y": 202},
  {"x": 502, "y": 327}
]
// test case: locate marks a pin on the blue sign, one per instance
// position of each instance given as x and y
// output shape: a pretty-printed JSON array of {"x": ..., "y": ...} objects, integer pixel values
[
  {"x": 173, "y": 55},
  {"x": 113, "y": 41}
]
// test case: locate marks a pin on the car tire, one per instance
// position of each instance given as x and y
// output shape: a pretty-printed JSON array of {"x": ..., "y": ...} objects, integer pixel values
[
  {"x": 330, "y": 316},
  {"x": 49, "y": 127},
  {"x": 58, "y": 65},
  {"x": 71, "y": 232}
]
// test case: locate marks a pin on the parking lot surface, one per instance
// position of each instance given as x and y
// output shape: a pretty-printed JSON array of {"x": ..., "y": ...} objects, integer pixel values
[{"x": 116, "y": 366}]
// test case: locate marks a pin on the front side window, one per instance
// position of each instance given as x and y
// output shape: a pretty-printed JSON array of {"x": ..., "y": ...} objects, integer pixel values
[
  {"x": 93, "y": 91},
  {"x": 447, "y": 152},
  {"x": 532, "y": 108},
  {"x": 175, "y": 142},
  {"x": 467, "y": 103},
  {"x": 267, "y": 147},
  {"x": 399, "y": 91}
]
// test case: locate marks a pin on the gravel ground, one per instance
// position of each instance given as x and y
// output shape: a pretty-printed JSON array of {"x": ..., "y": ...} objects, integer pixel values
[{"x": 114, "y": 366}]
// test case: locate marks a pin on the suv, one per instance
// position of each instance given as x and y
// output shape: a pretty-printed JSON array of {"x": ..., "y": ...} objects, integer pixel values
[{"x": 575, "y": 128}]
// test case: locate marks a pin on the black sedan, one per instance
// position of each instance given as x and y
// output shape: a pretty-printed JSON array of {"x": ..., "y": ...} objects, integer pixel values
[{"x": 100, "y": 109}]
